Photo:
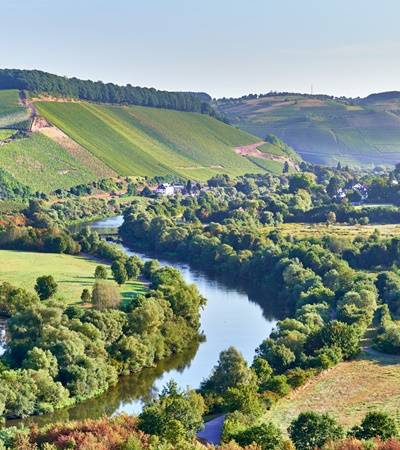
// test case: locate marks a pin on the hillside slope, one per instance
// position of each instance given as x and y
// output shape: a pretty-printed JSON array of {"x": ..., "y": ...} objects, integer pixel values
[
  {"x": 324, "y": 130},
  {"x": 49, "y": 143},
  {"x": 137, "y": 140},
  {"x": 12, "y": 114}
]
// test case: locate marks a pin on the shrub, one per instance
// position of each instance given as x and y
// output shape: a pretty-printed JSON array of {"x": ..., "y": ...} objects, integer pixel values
[{"x": 311, "y": 430}]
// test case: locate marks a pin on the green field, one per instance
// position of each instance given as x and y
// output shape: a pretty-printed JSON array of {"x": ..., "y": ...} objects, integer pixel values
[
  {"x": 324, "y": 130},
  {"x": 5, "y": 134},
  {"x": 72, "y": 273},
  {"x": 318, "y": 230},
  {"x": 43, "y": 165},
  {"x": 149, "y": 141},
  {"x": 275, "y": 167},
  {"x": 12, "y": 115}
]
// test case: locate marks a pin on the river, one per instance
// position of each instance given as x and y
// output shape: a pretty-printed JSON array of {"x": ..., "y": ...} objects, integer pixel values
[{"x": 230, "y": 318}]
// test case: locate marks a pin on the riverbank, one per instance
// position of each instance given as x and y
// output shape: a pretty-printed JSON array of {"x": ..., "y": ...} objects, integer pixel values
[{"x": 230, "y": 318}]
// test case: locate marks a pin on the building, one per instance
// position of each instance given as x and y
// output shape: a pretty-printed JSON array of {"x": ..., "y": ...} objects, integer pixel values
[{"x": 165, "y": 189}]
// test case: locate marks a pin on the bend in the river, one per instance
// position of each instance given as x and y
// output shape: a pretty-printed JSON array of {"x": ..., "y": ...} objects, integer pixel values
[{"x": 230, "y": 318}]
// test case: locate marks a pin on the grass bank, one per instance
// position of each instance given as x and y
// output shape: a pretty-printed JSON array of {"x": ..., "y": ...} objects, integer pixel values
[{"x": 72, "y": 273}]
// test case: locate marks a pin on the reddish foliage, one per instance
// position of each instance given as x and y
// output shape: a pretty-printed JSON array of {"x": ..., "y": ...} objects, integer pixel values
[
  {"x": 391, "y": 444},
  {"x": 103, "y": 434},
  {"x": 355, "y": 444}
]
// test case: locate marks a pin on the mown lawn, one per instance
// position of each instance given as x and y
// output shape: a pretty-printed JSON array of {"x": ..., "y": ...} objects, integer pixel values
[
  {"x": 348, "y": 392},
  {"x": 72, "y": 273},
  {"x": 150, "y": 141}
]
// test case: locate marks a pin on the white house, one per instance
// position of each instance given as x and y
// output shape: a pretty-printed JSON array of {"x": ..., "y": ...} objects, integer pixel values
[{"x": 165, "y": 189}]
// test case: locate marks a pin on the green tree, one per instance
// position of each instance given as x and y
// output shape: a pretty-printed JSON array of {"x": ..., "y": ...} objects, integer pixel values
[
  {"x": 119, "y": 272},
  {"x": 132, "y": 268},
  {"x": 174, "y": 415},
  {"x": 45, "y": 286},
  {"x": 311, "y": 430},
  {"x": 267, "y": 436},
  {"x": 285, "y": 167},
  {"x": 85, "y": 296},
  {"x": 38, "y": 359},
  {"x": 230, "y": 371},
  {"x": 376, "y": 425},
  {"x": 100, "y": 273}
]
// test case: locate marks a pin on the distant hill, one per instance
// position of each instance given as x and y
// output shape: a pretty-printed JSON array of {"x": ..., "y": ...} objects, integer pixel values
[
  {"x": 323, "y": 129},
  {"x": 61, "y": 143}
]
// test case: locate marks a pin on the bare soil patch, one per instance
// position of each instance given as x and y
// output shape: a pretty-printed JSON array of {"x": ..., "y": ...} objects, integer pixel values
[
  {"x": 75, "y": 150},
  {"x": 252, "y": 150}
]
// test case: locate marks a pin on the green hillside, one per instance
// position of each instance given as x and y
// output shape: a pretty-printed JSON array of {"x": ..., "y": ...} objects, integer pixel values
[
  {"x": 324, "y": 130},
  {"x": 137, "y": 140},
  {"x": 12, "y": 114},
  {"x": 43, "y": 165}
]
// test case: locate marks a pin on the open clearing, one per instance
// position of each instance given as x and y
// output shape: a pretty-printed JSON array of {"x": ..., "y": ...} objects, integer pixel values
[
  {"x": 72, "y": 273},
  {"x": 348, "y": 392},
  {"x": 303, "y": 230}
]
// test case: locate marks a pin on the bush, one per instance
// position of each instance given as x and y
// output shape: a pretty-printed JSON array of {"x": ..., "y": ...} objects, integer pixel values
[
  {"x": 376, "y": 424},
  {"x": 311, "y": 430},
  {"x": 267, "y": 436}
]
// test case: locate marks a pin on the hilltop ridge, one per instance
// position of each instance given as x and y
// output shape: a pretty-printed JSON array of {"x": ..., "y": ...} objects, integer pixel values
[{"x": 324, "y": 129}]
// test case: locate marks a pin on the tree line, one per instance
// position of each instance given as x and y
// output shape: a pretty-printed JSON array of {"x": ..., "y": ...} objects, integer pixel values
[{"x": 39, "y": 82}]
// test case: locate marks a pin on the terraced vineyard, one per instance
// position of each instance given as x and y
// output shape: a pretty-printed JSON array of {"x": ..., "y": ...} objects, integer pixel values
[
  {"x": 12, "y": 114},
  {"x": 43, "y": 165},
  {"x": 324, "y": 130},
  {"x": 147, "y": 141}
]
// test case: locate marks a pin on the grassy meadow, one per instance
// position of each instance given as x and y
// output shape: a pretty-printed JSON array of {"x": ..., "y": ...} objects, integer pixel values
[
  {"x": 150, "y": 141},
  {"x": 305, "y": 230},
  {"x": 72, "y": 273},
  {"x": 348, "y": 391}
]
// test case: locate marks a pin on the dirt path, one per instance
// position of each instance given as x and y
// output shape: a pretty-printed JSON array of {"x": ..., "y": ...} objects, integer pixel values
[{"x": 252, "y": 150}]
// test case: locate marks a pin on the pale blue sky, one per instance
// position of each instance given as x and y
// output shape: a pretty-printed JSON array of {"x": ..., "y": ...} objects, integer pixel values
[{"x": 224, "y": 47}]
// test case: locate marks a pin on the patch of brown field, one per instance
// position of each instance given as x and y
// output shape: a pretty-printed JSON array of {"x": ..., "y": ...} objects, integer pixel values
[
  {"x": 311, "y": 102},
  {"x": 252, "y": 150},
  {"x": 348, "y": 392},
  {"x": 77, "y": 151},
  {"x": 38, "y": 123},
  {"x": 49, "y": 98}
]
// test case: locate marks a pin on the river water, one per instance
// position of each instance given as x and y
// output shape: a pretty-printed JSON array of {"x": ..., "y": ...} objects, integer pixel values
[{"x": 230, "y": 318}]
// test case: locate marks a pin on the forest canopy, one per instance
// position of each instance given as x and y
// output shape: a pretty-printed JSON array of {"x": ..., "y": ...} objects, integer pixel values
[{"x": 39, "y": 82}]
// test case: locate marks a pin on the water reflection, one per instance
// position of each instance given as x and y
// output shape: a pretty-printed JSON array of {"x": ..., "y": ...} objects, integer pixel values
[
  {"x": 230, "y": 318},
  {"x": 127, "y": 396}
]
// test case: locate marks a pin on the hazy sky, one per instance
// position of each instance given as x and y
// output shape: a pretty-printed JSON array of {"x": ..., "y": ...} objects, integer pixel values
[{"x": 223, "y": 47}]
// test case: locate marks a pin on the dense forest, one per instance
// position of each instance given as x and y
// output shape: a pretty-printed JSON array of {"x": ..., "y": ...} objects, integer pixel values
[{"x": 38, "y": 82}]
